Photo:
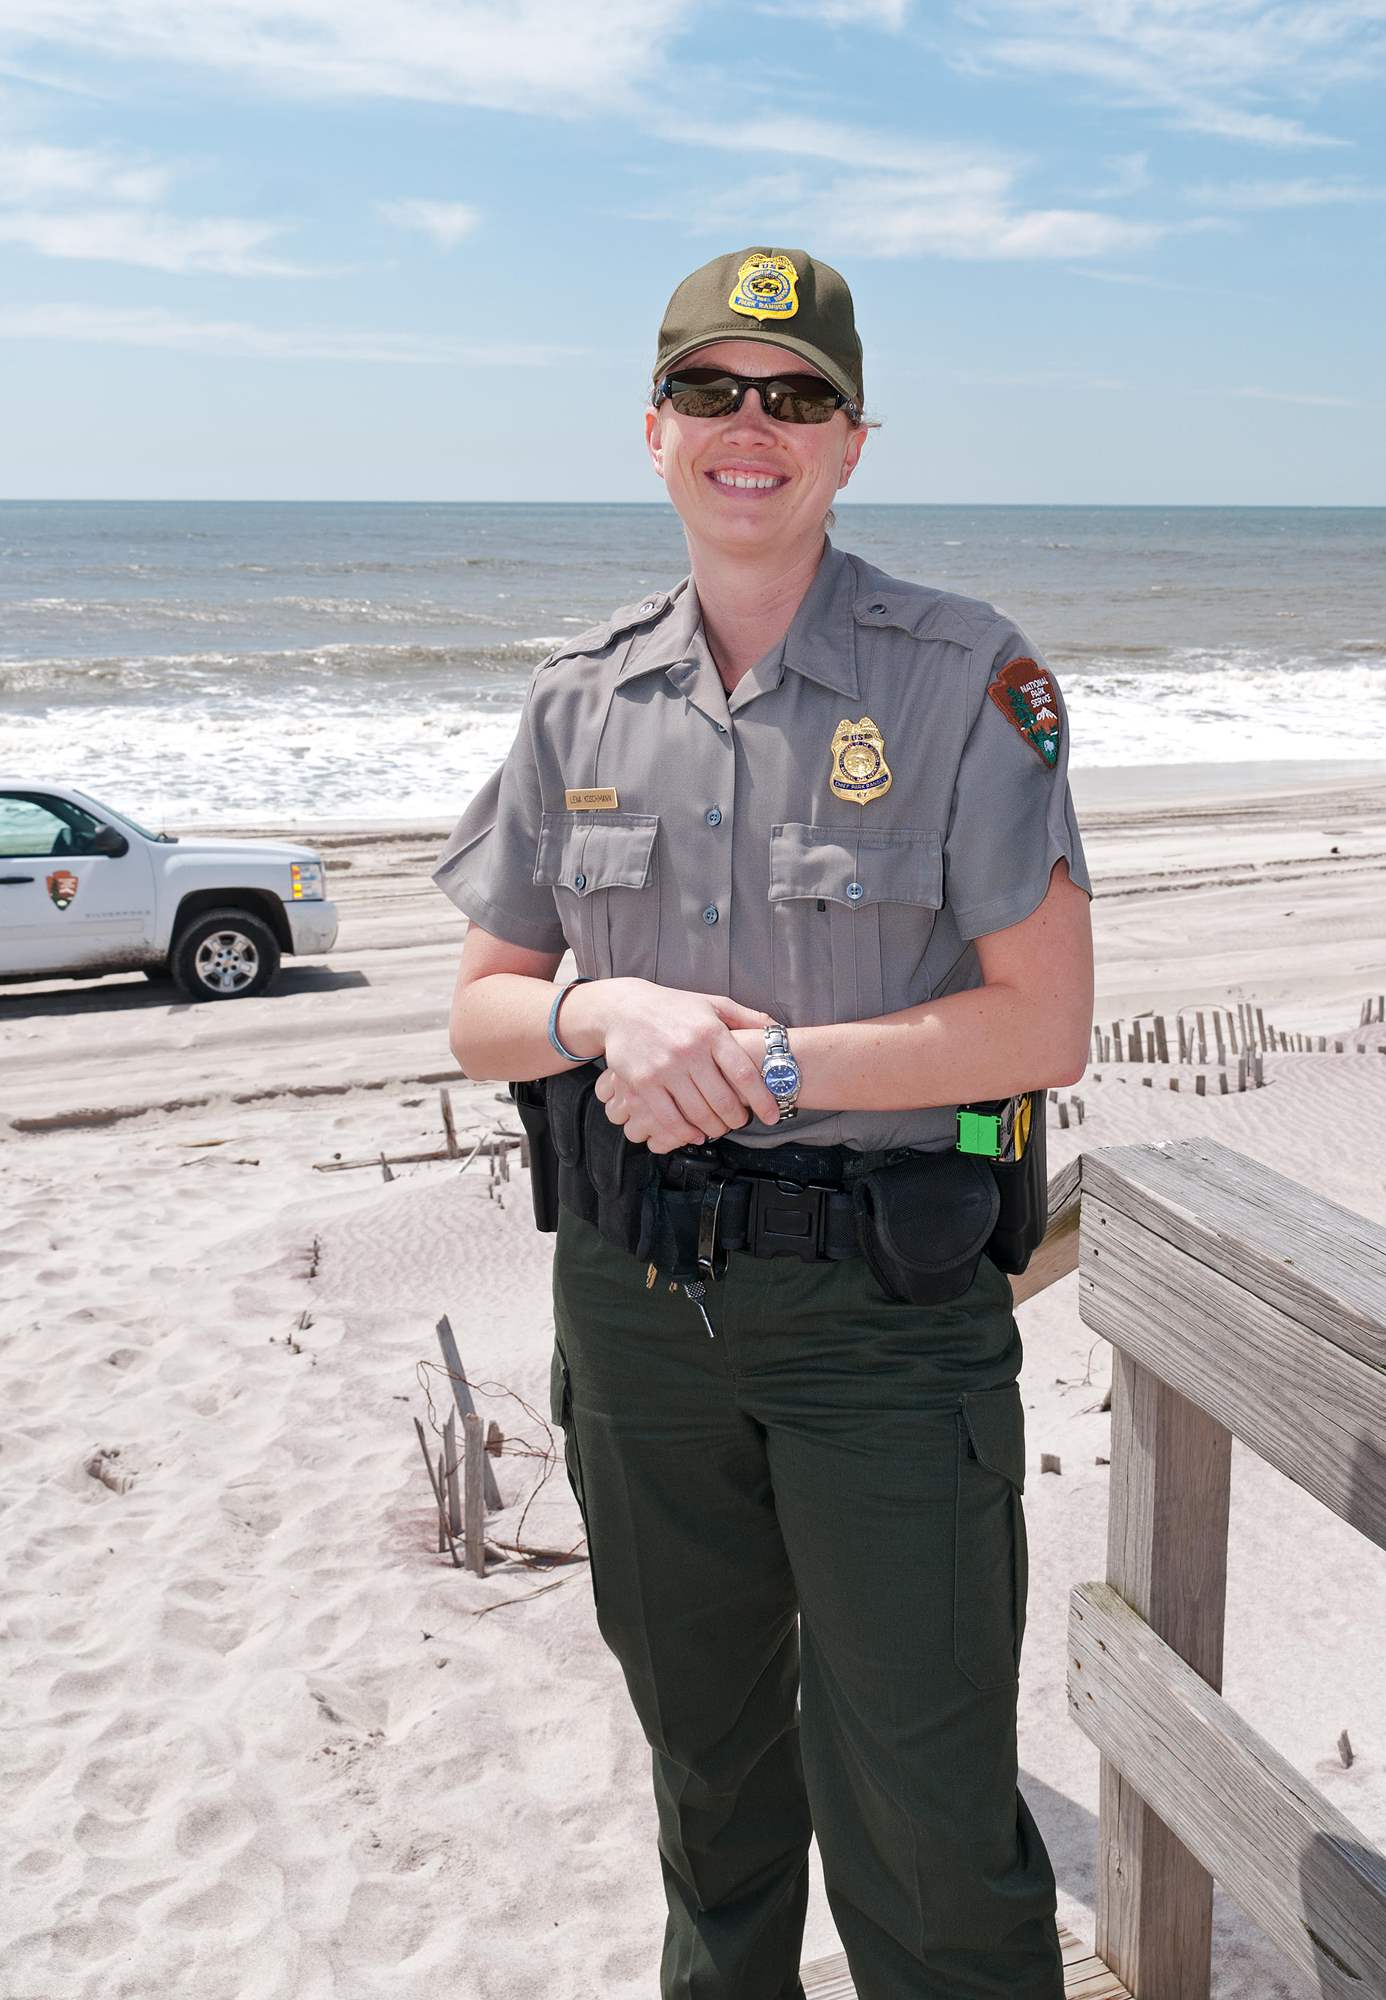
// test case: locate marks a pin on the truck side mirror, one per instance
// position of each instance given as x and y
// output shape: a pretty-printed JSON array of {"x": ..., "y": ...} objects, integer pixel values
[{"x": 107, "y": 840}]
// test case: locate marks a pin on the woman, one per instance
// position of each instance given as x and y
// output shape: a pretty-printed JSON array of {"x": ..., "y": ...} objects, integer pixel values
[{"x": 807, "y": 829}]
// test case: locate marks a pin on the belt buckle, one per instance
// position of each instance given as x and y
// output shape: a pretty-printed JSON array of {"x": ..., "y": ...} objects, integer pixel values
[{"x": 786, "y": 1219}]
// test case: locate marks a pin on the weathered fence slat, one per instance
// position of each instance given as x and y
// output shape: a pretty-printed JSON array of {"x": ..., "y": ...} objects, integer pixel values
[{"x": 1286, "y": 1855}]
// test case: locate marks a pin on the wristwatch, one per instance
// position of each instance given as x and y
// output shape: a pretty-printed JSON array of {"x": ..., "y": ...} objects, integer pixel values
[{"x": 780, "y": 1072}]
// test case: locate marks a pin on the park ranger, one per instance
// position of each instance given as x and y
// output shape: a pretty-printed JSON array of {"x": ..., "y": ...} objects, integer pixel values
[{"x": 807, "y": 830}]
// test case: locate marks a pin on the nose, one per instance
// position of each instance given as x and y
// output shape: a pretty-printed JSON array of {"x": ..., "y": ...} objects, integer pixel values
[{"x": 752, "y": 412}]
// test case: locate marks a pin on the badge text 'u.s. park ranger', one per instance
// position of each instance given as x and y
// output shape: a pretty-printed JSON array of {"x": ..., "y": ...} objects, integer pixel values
[{"x": 808, "y": 832}]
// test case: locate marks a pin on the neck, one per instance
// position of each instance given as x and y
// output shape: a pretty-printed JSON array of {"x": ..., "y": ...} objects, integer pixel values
[{"x": 748, "y": 604}]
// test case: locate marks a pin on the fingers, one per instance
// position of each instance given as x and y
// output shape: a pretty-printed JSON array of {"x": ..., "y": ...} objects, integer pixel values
[{"x": 735, "y": 1015}]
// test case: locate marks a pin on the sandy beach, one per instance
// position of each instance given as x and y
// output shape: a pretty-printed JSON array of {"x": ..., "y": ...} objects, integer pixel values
[{"x": 264, "y": 1742}]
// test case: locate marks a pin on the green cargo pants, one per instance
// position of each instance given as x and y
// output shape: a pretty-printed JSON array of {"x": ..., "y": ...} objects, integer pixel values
[{"x": 822, "y": 1501}]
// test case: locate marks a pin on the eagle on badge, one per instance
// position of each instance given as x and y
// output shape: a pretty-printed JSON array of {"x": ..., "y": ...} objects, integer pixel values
[{"x": 63, "y": 886}]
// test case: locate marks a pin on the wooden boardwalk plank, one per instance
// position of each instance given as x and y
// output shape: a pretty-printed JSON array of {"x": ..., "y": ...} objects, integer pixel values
[{"x": 1085, "y": 1976}]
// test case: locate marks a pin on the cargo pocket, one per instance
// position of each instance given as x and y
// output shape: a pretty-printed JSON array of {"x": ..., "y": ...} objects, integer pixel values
[
  {"x": 601, "y": 869},
  {"x": 851, "y": 912},
  {"x": 561, "y": 1411},
  {"x": 990, "y": 1574}
]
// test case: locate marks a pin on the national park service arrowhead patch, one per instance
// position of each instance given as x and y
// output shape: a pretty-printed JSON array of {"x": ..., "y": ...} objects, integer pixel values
[
  {"x": 1024, "y": 693},
  {"x": 62, "y": 887}
]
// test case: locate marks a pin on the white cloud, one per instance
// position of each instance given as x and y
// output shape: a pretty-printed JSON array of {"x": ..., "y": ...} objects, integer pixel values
[
  {"x": 153, "y": 326},
  {"x": 447, "y": 222},
  {"x": 1209, "y": 69},
  {"x": 528, "y": 55},
  {"x": 98, "y": 206},
  {"x": 151, "y": 242},
  {"x": 1303, "y": 193},
  {"x": 888, "y": 14},
  {"x": 38, "y": 172},
  {"x": 1309, "y": 400}
]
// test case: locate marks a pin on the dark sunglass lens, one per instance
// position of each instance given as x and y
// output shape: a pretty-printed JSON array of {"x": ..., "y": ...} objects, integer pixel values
[
  {"x": 800, "y": 399},
  {"x": 702, "y": 395}
]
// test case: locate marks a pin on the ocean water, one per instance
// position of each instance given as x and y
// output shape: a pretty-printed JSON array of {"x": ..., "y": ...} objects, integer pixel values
[{"x": 236, "y": 661}]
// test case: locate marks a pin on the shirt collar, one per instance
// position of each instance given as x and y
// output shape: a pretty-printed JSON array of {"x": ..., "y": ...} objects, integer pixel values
[{"x": 820, "y": 642}]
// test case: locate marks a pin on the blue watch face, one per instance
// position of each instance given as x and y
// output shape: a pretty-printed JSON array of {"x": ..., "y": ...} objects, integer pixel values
[{"x": 781, "y": 1076}]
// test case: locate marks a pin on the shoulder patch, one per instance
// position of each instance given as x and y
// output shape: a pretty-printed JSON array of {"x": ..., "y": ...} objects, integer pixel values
[{"x": 1024, "y": 693}]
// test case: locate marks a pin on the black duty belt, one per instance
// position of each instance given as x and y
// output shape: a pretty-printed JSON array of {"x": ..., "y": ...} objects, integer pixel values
[{"x": 773, "y": 1201}]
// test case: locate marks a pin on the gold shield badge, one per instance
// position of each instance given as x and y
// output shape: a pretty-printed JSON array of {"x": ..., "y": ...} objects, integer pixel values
[
  {"x": 860, "y": 770},
  {"x": 764, "y": 288}
]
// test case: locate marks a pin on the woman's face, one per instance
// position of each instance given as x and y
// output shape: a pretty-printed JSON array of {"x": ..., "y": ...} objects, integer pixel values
[{"x": 793, "y": 470}]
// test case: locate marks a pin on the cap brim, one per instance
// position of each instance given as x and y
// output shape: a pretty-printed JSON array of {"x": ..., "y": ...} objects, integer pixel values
[{"x": 774, "y": 336}]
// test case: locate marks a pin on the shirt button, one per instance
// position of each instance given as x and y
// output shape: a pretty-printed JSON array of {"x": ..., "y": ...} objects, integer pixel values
[
  {"x": 721, "y": 729},
  {"x": 855, "y": 891},
  {"x": 579, "y": 881},
  {"x": 877, "y": 608},
  {"x": 710, "y": 914},
  {"x": 713, "y": 815}
]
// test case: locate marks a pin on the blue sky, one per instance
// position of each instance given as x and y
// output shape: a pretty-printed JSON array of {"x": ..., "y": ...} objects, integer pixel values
[{"x": 1102, "y": 250}]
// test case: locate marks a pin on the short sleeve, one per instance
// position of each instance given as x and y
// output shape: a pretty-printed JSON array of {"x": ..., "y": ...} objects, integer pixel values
[
  {"x": 1012, "y": 814},
  {"x": 487, "y": 867}
]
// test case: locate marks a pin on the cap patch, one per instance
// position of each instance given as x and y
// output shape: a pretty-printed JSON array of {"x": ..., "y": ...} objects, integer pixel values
[
  {"x": 1024, "y": 693},
  {"x": 764, "y": 288}
]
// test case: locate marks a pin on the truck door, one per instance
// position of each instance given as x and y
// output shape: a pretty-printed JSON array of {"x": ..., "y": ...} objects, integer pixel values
[{"x": 62, "y": 907}]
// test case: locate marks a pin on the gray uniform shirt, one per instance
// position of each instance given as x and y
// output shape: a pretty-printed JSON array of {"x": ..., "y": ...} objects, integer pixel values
[{"x": 728, "y": 863}]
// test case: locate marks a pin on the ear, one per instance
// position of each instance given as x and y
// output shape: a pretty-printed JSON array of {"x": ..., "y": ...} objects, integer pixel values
[
  {"x": 853, "y": 453},
  {"x": 653, "y": 442}
]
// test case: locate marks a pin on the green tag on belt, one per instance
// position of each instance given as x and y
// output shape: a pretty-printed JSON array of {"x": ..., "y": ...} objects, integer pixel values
[{"x": 979, "y": 1132}]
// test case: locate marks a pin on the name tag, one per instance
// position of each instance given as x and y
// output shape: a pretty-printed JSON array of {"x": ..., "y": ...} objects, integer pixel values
[{"x": 597, "y": 798}]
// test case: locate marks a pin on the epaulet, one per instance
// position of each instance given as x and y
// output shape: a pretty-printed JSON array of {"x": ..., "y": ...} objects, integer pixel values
[
  {"x": 937, "y": 615},
  {"x": 596, "y": 638}
]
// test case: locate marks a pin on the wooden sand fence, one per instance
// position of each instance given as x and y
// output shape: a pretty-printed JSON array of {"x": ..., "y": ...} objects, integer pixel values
[{"x": 1238, "y": 1304}]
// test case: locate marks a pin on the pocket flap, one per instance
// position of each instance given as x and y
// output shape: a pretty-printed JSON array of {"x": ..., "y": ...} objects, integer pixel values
[
  {"x": 881, "y": 865},
  {"x": 595, "y": 850},
  {"x": 995, "y": 1420}
]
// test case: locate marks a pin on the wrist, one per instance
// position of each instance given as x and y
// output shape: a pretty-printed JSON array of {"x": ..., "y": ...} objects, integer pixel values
[{"x": 584, "y": 1016}]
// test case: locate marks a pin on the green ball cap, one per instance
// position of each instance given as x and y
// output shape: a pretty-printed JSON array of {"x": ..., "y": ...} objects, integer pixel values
[{"x": 783, "y": 297}]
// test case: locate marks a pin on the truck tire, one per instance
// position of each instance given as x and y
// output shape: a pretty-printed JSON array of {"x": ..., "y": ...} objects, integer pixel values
[{"x": 224, "y": 955}]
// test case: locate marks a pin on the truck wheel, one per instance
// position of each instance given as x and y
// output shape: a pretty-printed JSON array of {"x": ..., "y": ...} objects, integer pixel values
[{"x": 224, "y": 955}]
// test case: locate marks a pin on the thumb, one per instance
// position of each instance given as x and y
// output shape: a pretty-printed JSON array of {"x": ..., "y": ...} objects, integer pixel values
[{"x": 736, "y": 1016}]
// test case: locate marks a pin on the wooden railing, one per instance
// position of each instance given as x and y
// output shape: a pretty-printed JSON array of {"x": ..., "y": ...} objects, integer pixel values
[{"x": 1237, "y": 1304}]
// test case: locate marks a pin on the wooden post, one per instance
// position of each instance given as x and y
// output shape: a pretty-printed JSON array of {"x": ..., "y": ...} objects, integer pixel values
[
  {"x": 443, "y": 1523},
  {"x": 1169, "y": 1496},
  {"x": 450, "y": 1461},
  {"x": 1116, "y": 1041},
  {"x": 452, "y": 1361},
  {"x": 1201, "y": 1085},
  {"x": 1222, "y": 1083},
  {"x": 1161, "y": 1039},
  {"x": 1133, "y": 1048},
  {"x": 1063, "y": 1115},
  {"x": 385, "y": 1173},
  {"x": 449, "y": 1130},
  {"x": 1260, "y": 1027},
  {"x": 1183, "y": 1038},
  {"x": 437, "y": 1491},
  {"x": 473, "y": 1503}
]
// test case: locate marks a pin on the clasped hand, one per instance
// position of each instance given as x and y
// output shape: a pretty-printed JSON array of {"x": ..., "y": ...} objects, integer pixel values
[{"x": 679, "y": 1068}]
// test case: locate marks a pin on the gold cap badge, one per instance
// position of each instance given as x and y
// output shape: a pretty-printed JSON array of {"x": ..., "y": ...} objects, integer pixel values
[
  {"x": 764, "y": 288},
  {"x": 860, "y": 770}
]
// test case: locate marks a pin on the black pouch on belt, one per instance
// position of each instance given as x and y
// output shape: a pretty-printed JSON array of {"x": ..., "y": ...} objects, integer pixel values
[
  {"x": 1023, "y": 1186},
  {"x": 568, "y": 1094},
  {"x": 530, "y": 1099},
  {"x": 923, "y": 1223}
]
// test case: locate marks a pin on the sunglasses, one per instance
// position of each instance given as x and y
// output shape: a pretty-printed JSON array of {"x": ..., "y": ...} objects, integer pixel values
[{"x": 789, "y": 399}]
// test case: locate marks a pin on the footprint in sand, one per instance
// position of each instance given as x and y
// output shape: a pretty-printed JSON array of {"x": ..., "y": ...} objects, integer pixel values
[{"x": 214, "y": 1828}]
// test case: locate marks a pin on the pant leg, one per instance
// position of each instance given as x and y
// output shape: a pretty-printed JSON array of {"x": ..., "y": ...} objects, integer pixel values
[
  {"x": 895, "y": 1437},
  {"x": 694, "y": 1597}
]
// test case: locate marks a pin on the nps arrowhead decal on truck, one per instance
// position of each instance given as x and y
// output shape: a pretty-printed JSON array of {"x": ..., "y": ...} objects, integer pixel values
[{"x": 63, "y": 886}]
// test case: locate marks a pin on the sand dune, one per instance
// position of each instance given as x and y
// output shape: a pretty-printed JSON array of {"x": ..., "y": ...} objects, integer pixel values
[{"x": 262, "y": 1745}]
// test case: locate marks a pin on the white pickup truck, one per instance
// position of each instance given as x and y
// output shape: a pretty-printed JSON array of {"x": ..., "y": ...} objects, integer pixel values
[{"x": 84, "y": 891}]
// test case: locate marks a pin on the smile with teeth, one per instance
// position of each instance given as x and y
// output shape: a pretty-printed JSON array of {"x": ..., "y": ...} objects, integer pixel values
[{"x": 754, "y": 481}]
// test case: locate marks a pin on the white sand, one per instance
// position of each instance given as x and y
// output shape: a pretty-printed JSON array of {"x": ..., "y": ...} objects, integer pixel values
[{"x": 261, "y": 1747}]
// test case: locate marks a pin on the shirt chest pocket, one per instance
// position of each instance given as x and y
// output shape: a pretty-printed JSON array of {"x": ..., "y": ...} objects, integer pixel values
[
  {"x": 851, "y": 911},
  {"x": 602, "y": 870}
]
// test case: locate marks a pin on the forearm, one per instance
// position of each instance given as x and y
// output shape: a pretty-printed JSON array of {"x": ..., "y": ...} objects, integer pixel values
[
  {"x": 499, "y": 1026},
  {"x": 966, "y": 1048}
]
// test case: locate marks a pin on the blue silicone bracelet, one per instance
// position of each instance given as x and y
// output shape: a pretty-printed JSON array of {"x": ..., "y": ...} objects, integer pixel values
[{"x": 583, "y": 979}]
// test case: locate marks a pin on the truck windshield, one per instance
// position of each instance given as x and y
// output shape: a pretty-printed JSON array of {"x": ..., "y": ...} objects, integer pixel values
[{"x": 111, "y": 813}]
